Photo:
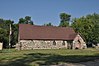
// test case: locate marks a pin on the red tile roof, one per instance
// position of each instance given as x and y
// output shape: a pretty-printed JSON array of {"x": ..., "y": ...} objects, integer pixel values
[{"x": 27, "y": 31}]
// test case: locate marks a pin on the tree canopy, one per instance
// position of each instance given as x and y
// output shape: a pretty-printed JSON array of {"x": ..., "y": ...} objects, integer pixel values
[
  {"x": 48, "y": 24},
  {"x": 4, "y": 31},
  {"x": 26, "y": 20},
  {"x": 88, "y": 26},
  {"x": 64, "y": 19}
]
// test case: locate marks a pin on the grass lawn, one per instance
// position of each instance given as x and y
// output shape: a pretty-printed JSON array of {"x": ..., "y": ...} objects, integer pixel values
[{"x": 14, "y": 57}]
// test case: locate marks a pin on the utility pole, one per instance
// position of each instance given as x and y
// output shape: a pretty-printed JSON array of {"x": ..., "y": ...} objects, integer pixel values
[{"x": 10, "y": 32}]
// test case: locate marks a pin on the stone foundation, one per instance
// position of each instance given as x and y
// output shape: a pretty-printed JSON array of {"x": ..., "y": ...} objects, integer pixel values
[
  {"x": 40, "y": 44},
  {"x": 77, "y": 43}
]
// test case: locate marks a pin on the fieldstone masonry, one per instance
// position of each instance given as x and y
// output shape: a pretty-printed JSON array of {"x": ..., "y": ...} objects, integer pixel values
[
  {"x": 40, "y": 44},
  {"x": 77, "y": 43}
]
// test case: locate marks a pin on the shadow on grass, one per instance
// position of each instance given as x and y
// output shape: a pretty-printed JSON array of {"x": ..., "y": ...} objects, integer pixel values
[{"x": 48, "y": 59}]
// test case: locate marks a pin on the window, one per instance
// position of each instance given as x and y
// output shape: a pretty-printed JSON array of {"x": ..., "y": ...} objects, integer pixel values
[
  {"x": 54, "y": 43},
  {"x": 63, "y": 43},
  {"x": 78, "y": 41}
]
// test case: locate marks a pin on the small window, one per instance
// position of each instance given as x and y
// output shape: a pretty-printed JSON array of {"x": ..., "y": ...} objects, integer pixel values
[
  {"x": 20, "y": 44},
  {"x": 78, "y": 41},
  {"x": 63, "y": 43},
  {"x": 54, "y": 43}
]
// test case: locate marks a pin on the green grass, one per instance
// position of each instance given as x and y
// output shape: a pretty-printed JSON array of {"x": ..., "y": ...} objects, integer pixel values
[{"x": 14, "y": 57}]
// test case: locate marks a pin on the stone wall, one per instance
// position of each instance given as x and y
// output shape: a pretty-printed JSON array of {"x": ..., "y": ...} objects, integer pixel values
[
  {"x": 79, "y": 41},
  {"x": 41, "y": 44}
]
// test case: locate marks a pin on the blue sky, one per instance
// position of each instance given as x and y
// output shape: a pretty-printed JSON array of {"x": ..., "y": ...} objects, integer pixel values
[{"x": 44, "y": 11}]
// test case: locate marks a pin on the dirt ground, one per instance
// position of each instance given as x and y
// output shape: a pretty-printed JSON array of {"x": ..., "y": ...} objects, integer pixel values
[{"x": 89, "y": 63}]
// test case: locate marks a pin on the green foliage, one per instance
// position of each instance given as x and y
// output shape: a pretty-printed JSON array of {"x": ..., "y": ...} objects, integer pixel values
[
  {"x": 88, "y": 27},
  {"x": 65, "y": 18},
  {"x": 26, "y": 20},
  {"x": 21, "y": 21},
  {"x": 64, "y": 24},
  {"x": 14, "y": 36},
  {"x": 48, "y": 24},
  {"x": 2, "y": 34},
  {"x": 4, "y": 31}
]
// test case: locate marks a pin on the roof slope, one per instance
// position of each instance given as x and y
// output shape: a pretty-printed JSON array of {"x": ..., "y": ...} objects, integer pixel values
[{"x": 27, "y": 31}]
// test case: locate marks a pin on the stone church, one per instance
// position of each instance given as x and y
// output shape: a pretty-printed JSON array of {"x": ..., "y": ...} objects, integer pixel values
[{"x": 48, "y": 37}]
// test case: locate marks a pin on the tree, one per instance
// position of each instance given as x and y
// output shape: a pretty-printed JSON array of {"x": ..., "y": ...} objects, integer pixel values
[
  {"x": 94, "y": 18},
  {"x": 4, "y": 31},
  {"x": 48, "y": 24},
  {"x": 88, "y": 27},
  {"x": 14, "y": 36},
  {"x": 21, "y": 21},
  {"x": 65, "y": 18},
  {"x": 26, "y": 20}
]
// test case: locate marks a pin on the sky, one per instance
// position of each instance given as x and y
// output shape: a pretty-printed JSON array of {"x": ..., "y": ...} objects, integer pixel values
[{"x": 45, "y": 11}]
